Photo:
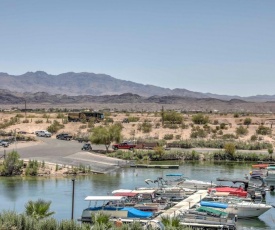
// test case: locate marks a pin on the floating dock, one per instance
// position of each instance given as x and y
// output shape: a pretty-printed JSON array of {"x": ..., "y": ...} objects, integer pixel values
[
  {"x": 183, "y": 205},
  {"x": 155, "y": 166}
]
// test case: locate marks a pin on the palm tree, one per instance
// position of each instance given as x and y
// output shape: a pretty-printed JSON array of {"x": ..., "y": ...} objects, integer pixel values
[{"x": 38, "y": 209}]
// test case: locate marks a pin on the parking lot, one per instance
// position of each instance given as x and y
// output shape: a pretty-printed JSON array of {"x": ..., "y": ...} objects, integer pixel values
[{"x": 65, "y": 153}]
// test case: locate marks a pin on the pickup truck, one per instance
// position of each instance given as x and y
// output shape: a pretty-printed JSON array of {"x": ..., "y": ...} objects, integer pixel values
[
  {"x": 4, "y": 144},
  {"x": 124, "y": 145},
  {"x": 64, "y": 136},
  {"x": 43, "y": 133}
]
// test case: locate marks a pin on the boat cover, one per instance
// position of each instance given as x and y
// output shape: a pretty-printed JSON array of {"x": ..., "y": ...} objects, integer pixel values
[
  {"x": 211, "y": 211},
  {"x": 174, "y": 174},
  {"x": 135, "y": 213},
  {"x": 213, "y": 204}
]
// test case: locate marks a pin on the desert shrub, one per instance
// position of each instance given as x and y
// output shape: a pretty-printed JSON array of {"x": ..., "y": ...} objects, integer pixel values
[
  {"x": 172, "y": 117},
  {"x": 263, "y": 130},
  {"x": 38, "y": 121},
  {"x": 200, "y": 119},
  {"x": 184, "y": 126},
  {"x": 220, "y": 132},
  {"x": 55, "y": 126},
  {"x": 170, "y": 126},
  {"x": 26, "y": 121},
  {"x": 253, "y": 138},
  {"x": 7, "y": 123},
  {"x": 168, "y": 137},
  {"x": 229, "y": 136},
  {"x": 247, "y": 121},
  {"x": 157, "y": 125},
  {"x": 178, "y": 137},
  {"x": 82, "y": 126},
  {"x": 133, "y": 119},
  {"x": 215, "y": 122},
  {"x": 108, "y": 120},
  {"x": 32, "y": 168},
  {"x": 19, "y": 115},
  {"x": 47, "y": 116},
  {"x": 145, "y": 127},
  {"x": 197, "y": 132},
  {"x": 236, "y": 115},
  {"x": 65, "y": 121},
  {"x": 241, "y": 131},
  {"x": 60, "y": 116},
  {"x": 222, "y": 126},
  {"x": 12, "y": 165},
  {"x": 230, "y": 149}
]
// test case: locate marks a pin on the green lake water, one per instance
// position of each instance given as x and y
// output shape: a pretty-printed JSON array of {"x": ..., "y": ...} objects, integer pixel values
[{"x": 16, "y": 191}]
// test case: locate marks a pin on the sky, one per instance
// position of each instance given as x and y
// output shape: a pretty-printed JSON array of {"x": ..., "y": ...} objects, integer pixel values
[{"x": 222, "y": 47}]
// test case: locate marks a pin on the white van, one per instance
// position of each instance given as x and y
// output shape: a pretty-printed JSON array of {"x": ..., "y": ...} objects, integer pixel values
[{"x": 43, "y": 133}]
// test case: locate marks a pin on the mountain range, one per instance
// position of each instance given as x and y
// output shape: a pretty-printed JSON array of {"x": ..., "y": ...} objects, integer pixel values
[{"x": 79, "y": 84}]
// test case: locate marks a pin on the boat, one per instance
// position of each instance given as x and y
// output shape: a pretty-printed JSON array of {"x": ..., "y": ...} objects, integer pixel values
[
  {"x": 270, "y": 174},
  {"x": 233, "y": 191},
  {"x": 113, "y": 206},
  {"x": 177, "y": 180},
  {"x": 242, "y": 209},
  {"x": 144, "y": 200}
]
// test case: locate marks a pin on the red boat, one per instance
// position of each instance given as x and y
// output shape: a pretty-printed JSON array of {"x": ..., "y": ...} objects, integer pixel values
[
  {"x": 260, "y": 166},
  {"x": 240, "y": 192}
]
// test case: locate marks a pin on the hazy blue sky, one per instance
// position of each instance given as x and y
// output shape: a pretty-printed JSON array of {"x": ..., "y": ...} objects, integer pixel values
[{"x": 224, "y": 47}]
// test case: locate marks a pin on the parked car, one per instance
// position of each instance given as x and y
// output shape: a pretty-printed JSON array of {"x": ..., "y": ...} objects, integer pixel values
[
  {"x": 4, "y": 144},
  {"x": 124, "y": 145},
  {"x": 64, "y": 136},
  {"x": 43, "y": 133},
  {"x": 87, "y": 147}
]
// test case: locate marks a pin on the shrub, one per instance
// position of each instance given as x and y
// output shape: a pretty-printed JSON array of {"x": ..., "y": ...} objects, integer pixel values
[
  {"x": 53, "y": 128},
  {"x": 247, "y": 121},
  {"x": 168, "y": 137},
  {"x": 60, "y": 116},
  {"x": 253, "y": 138},
  {"x": 241, "y": 131},
  {"x": 32, "y": 168},
  {"x": 198, "y": 132},
  {"x": 172, "y": 117},
  {"x": 12, "y": 164},
  {"x": 200, "y": 119},
  {"x": 229, "y": 148},
  {"x": 133, "y": 119},
  {"x": 263, "y": 130},
  {"x": 38, "y": 121},
  {"x": 145, "y": 127},
  {"x": 222, "y": 126}
]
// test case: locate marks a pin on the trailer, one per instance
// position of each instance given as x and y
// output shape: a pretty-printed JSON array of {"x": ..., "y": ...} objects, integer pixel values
[{"x": 86, "y": 116}]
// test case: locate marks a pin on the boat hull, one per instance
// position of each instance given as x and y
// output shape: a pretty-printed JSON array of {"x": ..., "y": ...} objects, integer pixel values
[{"x": 247, "y": 211}]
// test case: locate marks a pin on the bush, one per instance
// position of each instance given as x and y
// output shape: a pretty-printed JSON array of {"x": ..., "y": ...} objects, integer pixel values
[
  {"x": 38, "y": 121},
  {"x": 197, "y": 132},
  {"x": 263, "y": 130},
  {"x": 253, "y": 138},
  {"x": 172, "y": 117},
  {"x": 229, "y": 148},
  {"x": 200, "y": 119},
  {"x": 133, "y": 119},
  {"x": 32, "y": 168},
  {"x": 145, "y": 127},
  {"x": 247, "y": 121},
  {"x": 12, "y": 164},
  {"x": 56, "y": 126},
  {"x": 168, "y": 137},
  {"x": 241, "y": 131}
]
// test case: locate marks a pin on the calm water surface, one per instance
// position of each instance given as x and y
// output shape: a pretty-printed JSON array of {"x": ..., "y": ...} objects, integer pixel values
[{"x": 15, "y": 192}]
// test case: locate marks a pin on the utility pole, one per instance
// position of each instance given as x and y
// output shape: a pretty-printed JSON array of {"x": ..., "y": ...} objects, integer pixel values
[{"x": 72, "y": 216}]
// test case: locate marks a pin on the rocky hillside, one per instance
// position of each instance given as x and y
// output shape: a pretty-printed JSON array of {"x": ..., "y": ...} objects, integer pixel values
[{"x": 75, "y": 84}]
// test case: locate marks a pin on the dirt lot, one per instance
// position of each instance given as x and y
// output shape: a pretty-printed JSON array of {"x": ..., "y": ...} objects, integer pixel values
[{"x": 39, "y": 121}]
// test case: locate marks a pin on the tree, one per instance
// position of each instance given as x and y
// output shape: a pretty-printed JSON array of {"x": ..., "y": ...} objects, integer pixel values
[
  {"x": 38, "y": 209},
  {"x": 270, "y": 152},
  {"x": 105, "y": 135},
  {"x": 12, "y": 165}
]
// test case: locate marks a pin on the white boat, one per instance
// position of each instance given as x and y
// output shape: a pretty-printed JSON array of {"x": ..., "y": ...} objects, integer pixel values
[
  {"x": 113, "y": 206},
  {"x": 184, "y": 182},
  {"x": 242, "y": 209}
]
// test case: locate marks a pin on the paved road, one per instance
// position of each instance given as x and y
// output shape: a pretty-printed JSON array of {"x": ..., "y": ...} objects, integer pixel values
[{"x": 67, "y": 153}]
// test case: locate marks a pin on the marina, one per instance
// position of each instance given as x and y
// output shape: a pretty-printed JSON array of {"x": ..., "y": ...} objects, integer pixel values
[{"x": 15, "y": 192}]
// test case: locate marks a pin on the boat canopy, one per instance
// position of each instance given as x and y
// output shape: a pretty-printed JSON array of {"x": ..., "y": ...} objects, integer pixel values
[
  {"x": 234, "y": 180},
  {"x": 104, "y": 198},
  {"x": 212, "y": 211},
  {"x": 144, "y": 191},
  {"x": 128, "y": 194},
  {"x": 271, "y": 168},
  {"x": 174, "y": 174}
]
